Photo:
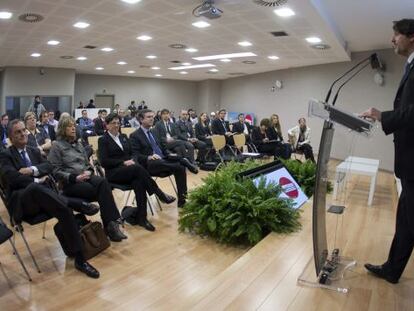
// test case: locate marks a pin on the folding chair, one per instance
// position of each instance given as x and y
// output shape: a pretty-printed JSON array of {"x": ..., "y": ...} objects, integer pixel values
[
  {"x": 219, "y": 144},
  {"x": 127, "y": 131}
]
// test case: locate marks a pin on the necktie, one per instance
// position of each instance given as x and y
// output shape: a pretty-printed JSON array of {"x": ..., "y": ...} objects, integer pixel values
[
  {"x": 155, "y": 148},
  {"x": 25, "y": 159},
  {"x": 224, "y": 125},
  {"x": 406, "y": 72},
  {"x": 167, "y": 127}
]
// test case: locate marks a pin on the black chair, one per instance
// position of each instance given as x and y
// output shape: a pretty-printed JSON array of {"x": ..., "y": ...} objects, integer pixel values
[{"x": 7, "y": 234}]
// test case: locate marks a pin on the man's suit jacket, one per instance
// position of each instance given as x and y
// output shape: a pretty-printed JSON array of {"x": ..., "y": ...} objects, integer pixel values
[
  {"x": 50, "y": 130},
  {"x": 2, "y": 131},
  {"x": 160, "y": 132},
  {"x": 13, "y": 181},
  {"x": 217, "y": 127},
  {"x": 111, "y": 155},
  {"x": 183, "y": 130},
  {"x": 238, "y": 127},
  {"x": 400, "y": 122},
  {"x": 99, "y": 126},
  {"x": 141, "y": 147}
]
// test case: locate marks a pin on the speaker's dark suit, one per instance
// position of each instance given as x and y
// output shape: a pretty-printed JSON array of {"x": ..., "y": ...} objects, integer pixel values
[
  {"x": 142, "y": 149},
  {"x": 26, "y": 198},
  {"x": 400, "y": 122},
  {"x": 112, "y": 158},
  {"x": 219, "y": 127}
]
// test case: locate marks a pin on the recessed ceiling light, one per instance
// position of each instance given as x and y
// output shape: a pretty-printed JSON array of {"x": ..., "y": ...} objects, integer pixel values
[
  {"x": 220, "y": 56},
  {"x": 144, "y": 38},
  {"x": 36, "y": 55},
  {"x": 158, "y": 75},
  {"x": 99, "y": 68},
  {"x": 131, "y": 71},
  {"x": 186, "y": 64},
  {"x": 244, "y": 43},
  {"x": 66, "y": 57},
  {"x": 155, "y": 68},
  {"x": 53, "y": 42},
  {"x": 81, "y": 25},
  {"x": 122, "y": 63},
  {"x": 273, "y": 57},
  {"x": 191, "y": 50},
  {"x": 183, "y": 72},
  {"x": 225, "y": 60},
  {"x": 214, "y": 70},
  {"x": 192, "y": 67},
  {"x": 82, "y": 58},
  {"x": 151, "y": 57},
  {"x": 313, "y": 40},
  {"x": 107, "y": 49},
  {"x": 201, "y": 24},
  {"x": 131, "y": 1},
  {"x": 177, "y": 46},
  {"x": 249, "y": 62},
  {"x": 285, "y": 12},
  {"x": 5, "y": 15}
]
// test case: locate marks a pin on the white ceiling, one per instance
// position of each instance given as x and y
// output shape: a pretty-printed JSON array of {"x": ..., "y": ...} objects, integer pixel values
[{"x": 117, "y": 24}]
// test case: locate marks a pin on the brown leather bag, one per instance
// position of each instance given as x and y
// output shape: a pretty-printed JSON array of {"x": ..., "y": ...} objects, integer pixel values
[{"x": 94, "y": 239}]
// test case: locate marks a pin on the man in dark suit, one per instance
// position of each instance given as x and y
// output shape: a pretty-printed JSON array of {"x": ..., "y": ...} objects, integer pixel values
[
  {"x": 99, "y": 122},
  {"x": 114, "y": 152},
  {"x": 3, "y": 129},
  {"x": 44, "y": 124},
  {"x": 123, "y": 118},
  {"x": 91, "y": 104},
  {"x": 183, "y": 129},
  {"x": 221, "y": 127},
  {"x": 25, "y": 174},
  {"x": 400, "y": 122},
  {"x": 166, "y": 134},
  {"x": 147, "y": 151}
]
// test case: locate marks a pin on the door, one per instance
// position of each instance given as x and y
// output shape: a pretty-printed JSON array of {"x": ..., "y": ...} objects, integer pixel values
[{"x": 105, "y": 101}]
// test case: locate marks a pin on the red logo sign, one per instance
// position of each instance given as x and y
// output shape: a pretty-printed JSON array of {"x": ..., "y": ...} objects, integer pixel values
[{"x": 288, "y": 187}]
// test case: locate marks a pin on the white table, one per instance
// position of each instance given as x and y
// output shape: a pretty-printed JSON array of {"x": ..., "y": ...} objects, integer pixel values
[{"x": 359, "y": 166}]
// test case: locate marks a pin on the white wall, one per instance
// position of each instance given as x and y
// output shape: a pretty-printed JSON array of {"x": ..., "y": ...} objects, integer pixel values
[
  {"x": 25, "y": 81},
  {"x": 252, "y": 93},
  {"x": 157, "y": 93},
  {"x": 209, "y": 96}
]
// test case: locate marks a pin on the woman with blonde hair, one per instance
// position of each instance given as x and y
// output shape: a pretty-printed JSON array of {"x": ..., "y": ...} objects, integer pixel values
[
  {"x": 73, "y": 169},
  {"x": 274, "y": 132}
]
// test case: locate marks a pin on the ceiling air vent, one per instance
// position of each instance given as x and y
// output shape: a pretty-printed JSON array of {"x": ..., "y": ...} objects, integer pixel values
[
  {"x": 177, "y": 46},
  {"x": 236, "y": 73},
  {"x": 91, "y": 47},
  {"x": 279, "y": 33},
  {"x": 249, "y": 62},
  {"x": 175, "y": 61},
  {"x": 66, "y": 57},
  {"x": 320, "y": 46},
  {"x": 31, "y": 18},
  {"x": 144, "y": 66},
  {"x": 270, "y": 3}
]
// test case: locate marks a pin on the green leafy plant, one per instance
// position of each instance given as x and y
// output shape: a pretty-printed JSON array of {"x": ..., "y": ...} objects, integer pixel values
[{"x": 237, "y": 211}]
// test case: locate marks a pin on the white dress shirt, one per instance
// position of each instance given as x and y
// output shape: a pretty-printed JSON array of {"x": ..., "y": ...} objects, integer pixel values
[{"x": 116, "y": 139}]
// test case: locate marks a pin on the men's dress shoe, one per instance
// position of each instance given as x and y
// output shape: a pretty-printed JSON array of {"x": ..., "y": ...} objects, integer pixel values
[
  {"x": 89, "y": 209},
  {"x": 191, "y": 167},
  {"x": 379, "y": 272},
  {"x": 180, "y": 203},
  {"x": 165, "y": 198},
  {"x": 146, "y": 224},
  {"x": 88, "y": 269},
  {"x": 114, "y": 232}
]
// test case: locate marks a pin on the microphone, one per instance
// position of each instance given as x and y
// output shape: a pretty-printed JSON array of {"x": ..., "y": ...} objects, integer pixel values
[{"x": 374, "y": 60}]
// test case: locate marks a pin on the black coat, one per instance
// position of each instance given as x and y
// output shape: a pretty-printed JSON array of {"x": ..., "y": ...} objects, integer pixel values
[
  {"x": 201, "y": 132},
  {"x": 257, "y": 136},
  {"x": 400, "y": 122},
  {"x": 238, "y": 127},
  {"x": 183, "y": 130},
  {"x": 273, "y": 134},
  {"x": 13, "y": 181},
  {"x": 160, "y": 133},
  {"x": 217, "y": 127},
  {"x": 99, "y": 126},
  {"x": 50, "y": 130},
  {"x": 141, "y": 147}
]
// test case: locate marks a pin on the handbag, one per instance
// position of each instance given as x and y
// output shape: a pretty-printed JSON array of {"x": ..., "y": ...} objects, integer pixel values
[{"x": 94, "y": 239}]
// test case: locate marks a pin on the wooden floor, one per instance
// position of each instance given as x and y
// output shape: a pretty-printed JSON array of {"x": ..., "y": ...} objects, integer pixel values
[{"x": 167, "y": 270}]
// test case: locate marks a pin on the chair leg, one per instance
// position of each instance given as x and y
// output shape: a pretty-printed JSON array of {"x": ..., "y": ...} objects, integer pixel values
[
  {"x": 173, "y": 185},
  {"x": 127, "y": 200},
  {"x": 159, "y": 203},
  {"x": 44, "y": 230},
  {"x": 28, "y": 249},
  {"x": 150, "y": 205},
  {"x": 20, "y": 260}
]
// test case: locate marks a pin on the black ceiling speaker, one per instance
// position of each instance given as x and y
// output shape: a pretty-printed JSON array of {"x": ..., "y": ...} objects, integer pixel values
[{"x": 271, "y": 3}]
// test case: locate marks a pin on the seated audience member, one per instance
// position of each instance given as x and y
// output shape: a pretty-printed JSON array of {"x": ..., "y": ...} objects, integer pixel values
[
  {"x": 114, "y": 152},
  {"x": 221, "y": 127},
  {"x": 99, "y": 122},
  {"x": 261, "y": 141},
  {"x": 184, "y": 131},
  {"x": 147, "y": 151},
  {"x": 133, "y": 122},
  {"x": 202, "y": 130},
  {"x": 192, "y": 116},
  {"x": 132, "y": 107},
  {"x": 86, "y": 125},
  {"x": 52, "y": 121},
  {"x": 116, "y": 108},
  {"x": 81, "y": 105},
  {"x": 165, "y": 132},
  {"x": 25, "y": 174},
  {"x": 172, "y": 118},
  {"x": 73, "y": 169},
  {"x": 301, "y": 134},
  {"x": 242, "y": 127},
  {"x": 142, "y": 105},
  {"x": 157, "y": 117},
  {"x": 91, "y": 104},
  {"x": 37, "y": 107},
  {"x": 3, "y": 129},
  {"x": 274, "y": 133},
  {"x": 212, "y": 117},
  {"x": 44, "y": 124},
  {"x": 37, "y": 138},
  {"x": 123, "y": 118}
]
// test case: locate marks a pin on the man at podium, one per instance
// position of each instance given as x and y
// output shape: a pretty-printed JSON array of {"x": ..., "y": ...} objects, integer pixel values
[{"x": 400, "y": 122}]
